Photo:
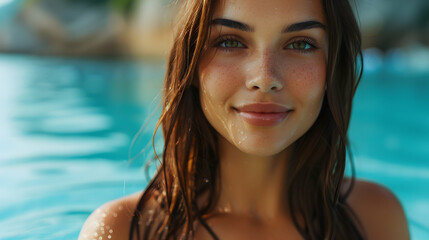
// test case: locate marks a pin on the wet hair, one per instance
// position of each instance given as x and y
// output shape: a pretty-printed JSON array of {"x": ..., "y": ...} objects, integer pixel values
[{"x": 189, "y": 164}]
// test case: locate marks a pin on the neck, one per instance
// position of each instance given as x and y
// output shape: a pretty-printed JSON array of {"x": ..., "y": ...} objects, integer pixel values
[{"x": 252, "y": 185}]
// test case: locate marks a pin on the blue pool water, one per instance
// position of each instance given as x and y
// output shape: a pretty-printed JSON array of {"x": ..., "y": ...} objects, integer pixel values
[{"x": 66, "y": 127}]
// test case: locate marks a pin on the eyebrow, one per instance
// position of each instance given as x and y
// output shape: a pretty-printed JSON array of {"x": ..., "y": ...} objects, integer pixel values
[
  {"x": 295, "y": 27},
  {"x": 232, "y": 24},
  {"x": 300, "y": 26}
]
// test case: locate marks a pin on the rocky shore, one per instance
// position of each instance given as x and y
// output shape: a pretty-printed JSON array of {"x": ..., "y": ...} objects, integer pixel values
[{"x": 84, "y": 29}]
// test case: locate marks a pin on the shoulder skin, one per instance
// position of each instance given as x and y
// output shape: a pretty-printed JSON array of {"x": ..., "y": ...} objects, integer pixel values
[
  {"x": 111, "y": 221},
  {"x": 379, "y": 212}
]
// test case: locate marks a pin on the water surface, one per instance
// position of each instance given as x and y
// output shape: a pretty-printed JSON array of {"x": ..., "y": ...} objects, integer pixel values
[{"x": 66, "y": 127}]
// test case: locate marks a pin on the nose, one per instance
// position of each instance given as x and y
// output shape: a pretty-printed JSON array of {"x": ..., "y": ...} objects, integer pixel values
[{"x": 265, "y": 74}]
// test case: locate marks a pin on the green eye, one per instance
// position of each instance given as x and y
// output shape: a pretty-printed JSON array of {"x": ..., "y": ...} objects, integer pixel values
[
  {"x": 301, "y": 45},
  {"x": 230, "y": 43}
]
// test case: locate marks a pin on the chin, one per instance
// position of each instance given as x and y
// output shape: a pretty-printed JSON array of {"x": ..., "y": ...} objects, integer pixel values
[{"x": 262, "y": 150}]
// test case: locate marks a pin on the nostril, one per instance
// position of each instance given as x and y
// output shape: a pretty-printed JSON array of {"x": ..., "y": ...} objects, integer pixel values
[{"x": 264, "y": 84}]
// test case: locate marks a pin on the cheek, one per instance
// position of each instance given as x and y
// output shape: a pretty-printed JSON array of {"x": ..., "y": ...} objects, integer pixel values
[
  {"x": 218, "y": 81},
  {"x": 307, "y": 81}
]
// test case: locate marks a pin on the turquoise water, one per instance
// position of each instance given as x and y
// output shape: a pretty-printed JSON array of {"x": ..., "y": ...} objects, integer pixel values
[
  {"x": 66, "y": 127},
  {"x": 389, "y": 135}
]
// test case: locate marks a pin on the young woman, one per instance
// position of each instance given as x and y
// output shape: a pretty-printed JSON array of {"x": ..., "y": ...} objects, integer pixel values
[{"x": 256, "y": 106}]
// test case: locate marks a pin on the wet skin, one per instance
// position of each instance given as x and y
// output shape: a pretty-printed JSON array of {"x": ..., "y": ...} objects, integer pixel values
[
  {"x": 263, "y": 64},
  {"x": 261, "y": 54},
  {"x": 258, "y": 53}
]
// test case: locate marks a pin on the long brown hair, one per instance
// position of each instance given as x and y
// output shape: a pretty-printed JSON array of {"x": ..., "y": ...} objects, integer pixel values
[{"x": 190, "y": 168}]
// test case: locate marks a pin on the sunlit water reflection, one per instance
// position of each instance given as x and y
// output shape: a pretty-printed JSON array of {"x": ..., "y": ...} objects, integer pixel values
[{"x": 66, "y": 127}]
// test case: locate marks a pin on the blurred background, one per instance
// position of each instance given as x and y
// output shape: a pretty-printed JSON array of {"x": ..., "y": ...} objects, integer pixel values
[{"x": 79, "y": 98}]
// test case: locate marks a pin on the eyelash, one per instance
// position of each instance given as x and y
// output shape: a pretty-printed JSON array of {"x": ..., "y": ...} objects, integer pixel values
[{"x": 221, "y": 40}]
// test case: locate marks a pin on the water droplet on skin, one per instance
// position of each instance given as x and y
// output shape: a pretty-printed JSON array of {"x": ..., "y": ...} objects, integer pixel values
[
  {"x": 109, "y": 237},
  {"x": 110, "y": 231},
  {"x": 227, "y": 210},
  {"x": 206, "y": 180},
  {"x": 244, "y": 138},
  {"x": 120, "y": 208},
  {"x": 115, "y": 215},
  {"x": 227, "y": 207},
  {"x": 100, "y": 238},
  {"x": 96, "y": 234},
  {"x": 103, "y": 215}
]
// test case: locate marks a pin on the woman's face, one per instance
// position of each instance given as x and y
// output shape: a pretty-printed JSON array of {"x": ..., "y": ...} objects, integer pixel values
[{"x": 262, "y": 76}]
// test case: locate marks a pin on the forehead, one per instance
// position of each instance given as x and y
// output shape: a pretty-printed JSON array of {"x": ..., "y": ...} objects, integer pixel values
[{"x": 266, "y": 11}]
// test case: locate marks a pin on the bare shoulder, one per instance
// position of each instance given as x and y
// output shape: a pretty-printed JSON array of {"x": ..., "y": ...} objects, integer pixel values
[
  {"x": 112, "y": 220},
  {"x": 379, "y": 211}
]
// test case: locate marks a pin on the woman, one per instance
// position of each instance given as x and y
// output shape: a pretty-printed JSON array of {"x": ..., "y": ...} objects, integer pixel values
[{"x": 257, "y": 102}]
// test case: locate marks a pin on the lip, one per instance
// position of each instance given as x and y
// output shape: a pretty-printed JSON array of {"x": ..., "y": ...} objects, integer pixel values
[{"x": 263, "y": 114}]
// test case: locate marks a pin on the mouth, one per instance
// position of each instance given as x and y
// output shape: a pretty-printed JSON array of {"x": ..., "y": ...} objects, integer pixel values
[{"x": 262, "y": 114}]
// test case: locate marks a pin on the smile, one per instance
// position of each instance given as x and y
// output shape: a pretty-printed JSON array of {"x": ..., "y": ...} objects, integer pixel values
[{"x": 263, "y": 114}]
